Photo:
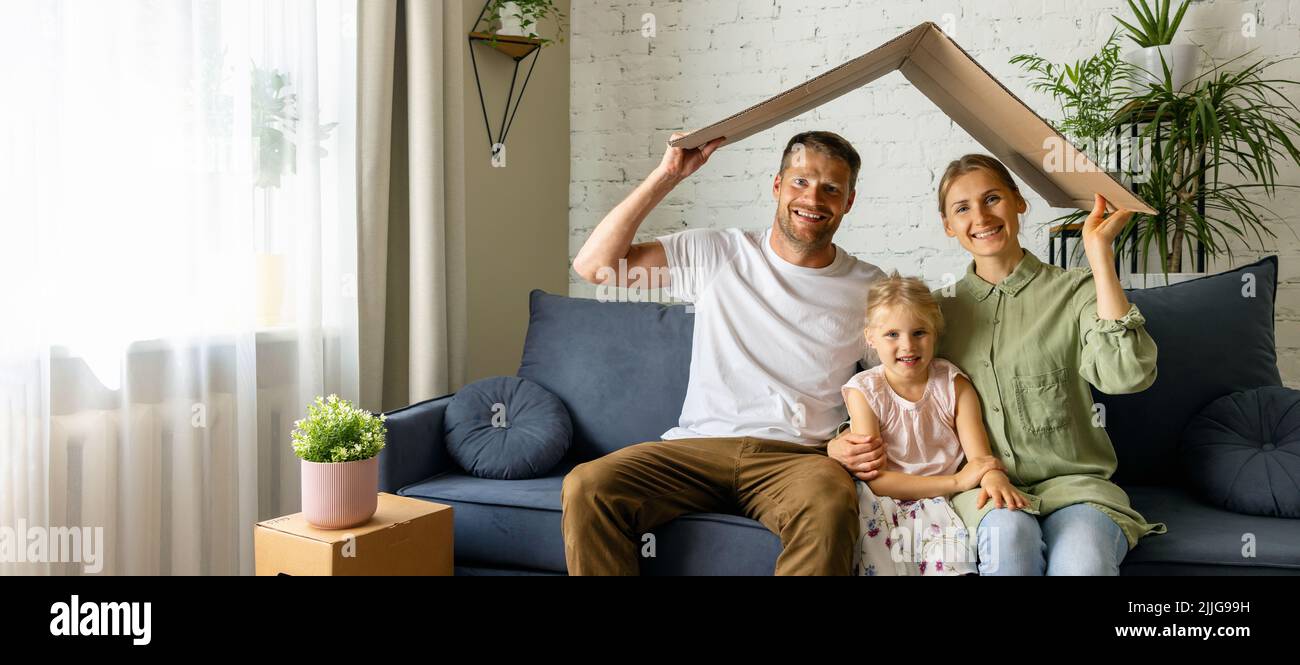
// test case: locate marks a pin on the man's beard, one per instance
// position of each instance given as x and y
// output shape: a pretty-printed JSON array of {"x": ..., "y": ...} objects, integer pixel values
[{"x": 822, "y": 238}]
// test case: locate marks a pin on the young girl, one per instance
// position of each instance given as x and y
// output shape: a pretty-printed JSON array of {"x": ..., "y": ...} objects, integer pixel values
[{"x": 928, "y": 414}]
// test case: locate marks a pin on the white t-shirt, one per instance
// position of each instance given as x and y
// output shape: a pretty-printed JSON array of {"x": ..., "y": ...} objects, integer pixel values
[{"x": 773, "y": 341}]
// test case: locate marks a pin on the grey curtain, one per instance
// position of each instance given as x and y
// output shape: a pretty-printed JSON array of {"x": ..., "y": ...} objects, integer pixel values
[{"x": 411, "y": 213}]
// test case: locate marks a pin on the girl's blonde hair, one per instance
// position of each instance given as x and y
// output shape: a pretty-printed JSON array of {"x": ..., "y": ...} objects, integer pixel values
[
  {"x": 909, "y": 292},
  {"x": 967, "y": 163}
]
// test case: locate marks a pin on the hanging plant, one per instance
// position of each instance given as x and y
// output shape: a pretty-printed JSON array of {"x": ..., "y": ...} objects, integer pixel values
[{"x": 521, "y": 18}]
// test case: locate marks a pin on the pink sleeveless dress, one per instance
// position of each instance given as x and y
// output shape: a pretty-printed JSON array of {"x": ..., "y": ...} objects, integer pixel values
[{"x": 923, "y": 536}]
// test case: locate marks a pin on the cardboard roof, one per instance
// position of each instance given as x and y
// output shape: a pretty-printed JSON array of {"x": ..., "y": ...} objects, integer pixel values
[{"x": 1011, "y": 131}]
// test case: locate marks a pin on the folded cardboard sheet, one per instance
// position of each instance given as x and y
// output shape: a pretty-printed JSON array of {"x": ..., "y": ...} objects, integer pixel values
[{"x": 1040, "y": 156}]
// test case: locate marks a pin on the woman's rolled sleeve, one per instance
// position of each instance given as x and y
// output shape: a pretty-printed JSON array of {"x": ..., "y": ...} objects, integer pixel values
[{"x": 1118, "y": 356}]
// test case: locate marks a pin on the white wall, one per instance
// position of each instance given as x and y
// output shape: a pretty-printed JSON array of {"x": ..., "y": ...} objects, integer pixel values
[
  {"x": 514, "y": 215},
  {"x": 709, "y": 59}
]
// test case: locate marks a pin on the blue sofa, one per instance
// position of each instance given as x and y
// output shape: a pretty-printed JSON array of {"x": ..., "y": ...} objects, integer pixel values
[{"x": 621, "y": 370}]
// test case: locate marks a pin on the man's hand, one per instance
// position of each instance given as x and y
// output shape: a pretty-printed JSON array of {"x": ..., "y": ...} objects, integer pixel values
[
  {"x": 678, "y": 163},
  {"x": 862, "y": 455},
  {"x": 612, "y": 240}
]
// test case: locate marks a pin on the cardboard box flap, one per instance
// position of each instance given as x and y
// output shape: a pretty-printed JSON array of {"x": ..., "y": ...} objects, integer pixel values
[
  {"x": 1030, "y": 147},
  {"x": 391, "y": 512},
  {"x": 810, "y": 94}
]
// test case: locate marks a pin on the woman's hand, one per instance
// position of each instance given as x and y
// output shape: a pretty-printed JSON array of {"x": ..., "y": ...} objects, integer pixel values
[
  {"x": 1100, "y": 231},
  {"x": 970, "y": 475},
  {"x": 995, "y": 486},
  {"x": 1099, "y": 234}
]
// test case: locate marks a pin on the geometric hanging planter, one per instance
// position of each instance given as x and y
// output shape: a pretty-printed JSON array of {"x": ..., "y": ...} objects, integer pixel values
[{"x": 517, "y": 48}]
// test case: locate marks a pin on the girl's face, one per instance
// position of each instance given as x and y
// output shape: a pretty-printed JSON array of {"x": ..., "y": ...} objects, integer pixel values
[
  {"x": 903, "y": 341},
  {"x": 981, "y": 212}
]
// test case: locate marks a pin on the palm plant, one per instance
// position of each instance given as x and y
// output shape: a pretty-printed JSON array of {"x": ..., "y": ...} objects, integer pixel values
[
  {"x": 1213, "y": 152},
  {"x": 1086, "y": 90},
  {"x": 1157, "y": 29},
  {"x": 1222, "y": 142}
]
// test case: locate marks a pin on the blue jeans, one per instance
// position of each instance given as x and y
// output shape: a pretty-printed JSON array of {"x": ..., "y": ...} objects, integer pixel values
[{"x": 1075, "y": 540}]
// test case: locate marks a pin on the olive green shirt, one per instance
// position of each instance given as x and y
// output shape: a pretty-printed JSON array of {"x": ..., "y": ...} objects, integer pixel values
[{"x": 1031, "y": 344}]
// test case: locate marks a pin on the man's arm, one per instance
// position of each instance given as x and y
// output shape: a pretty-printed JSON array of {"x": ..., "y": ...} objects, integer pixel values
[
  {"x": 861, "y": 451},
  {"x": 611, "y": 241}
]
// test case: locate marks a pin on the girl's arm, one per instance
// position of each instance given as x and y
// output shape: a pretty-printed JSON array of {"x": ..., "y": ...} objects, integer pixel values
[
  {"x": 995, "y": 486},
  {"x": 970, "y": 421},
  {"x": 901, "y": 486}
]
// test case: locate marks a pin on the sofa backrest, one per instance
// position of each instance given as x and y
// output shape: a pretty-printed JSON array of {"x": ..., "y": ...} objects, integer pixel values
[
  {"x": 1214, "y": 336},
  {"x": 621, "y": 368}
]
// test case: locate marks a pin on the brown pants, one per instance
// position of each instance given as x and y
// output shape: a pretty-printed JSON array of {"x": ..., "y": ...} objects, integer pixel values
[{"x": 796, "y": 491}]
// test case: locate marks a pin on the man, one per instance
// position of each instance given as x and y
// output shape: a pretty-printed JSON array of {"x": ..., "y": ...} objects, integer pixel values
[{"x": 778, "y": 330}]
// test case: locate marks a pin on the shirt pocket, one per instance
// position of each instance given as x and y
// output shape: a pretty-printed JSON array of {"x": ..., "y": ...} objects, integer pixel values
[{"x": 1043, "y": 401}]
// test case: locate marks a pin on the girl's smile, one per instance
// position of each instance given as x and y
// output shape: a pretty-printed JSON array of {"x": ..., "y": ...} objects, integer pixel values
[{"x": 905, "y": 344}]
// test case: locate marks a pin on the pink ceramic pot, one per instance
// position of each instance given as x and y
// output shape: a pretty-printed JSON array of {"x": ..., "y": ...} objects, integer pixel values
[{"x": 340, "y": 495}]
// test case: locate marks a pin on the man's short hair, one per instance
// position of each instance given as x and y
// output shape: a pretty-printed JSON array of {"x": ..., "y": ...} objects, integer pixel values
[{"x": 829, "y": 144}]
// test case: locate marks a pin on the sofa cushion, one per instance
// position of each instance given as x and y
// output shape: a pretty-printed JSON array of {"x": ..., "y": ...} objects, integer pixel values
[
  {"x": 509, "y": 523},
  {"x": 1242, "y": 453},
  {"x": 620, "y": 369},
  {"x": 515, "y": 524},
  {"x": 1215, "y": 337},
  {"x": 507, "y": 428},
  {"x": 1208, "y": 540}
]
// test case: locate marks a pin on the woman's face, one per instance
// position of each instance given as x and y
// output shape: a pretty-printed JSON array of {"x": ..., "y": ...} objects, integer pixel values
[{"x": 982, "y": 214}]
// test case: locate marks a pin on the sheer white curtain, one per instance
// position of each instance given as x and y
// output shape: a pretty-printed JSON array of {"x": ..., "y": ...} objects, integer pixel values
[{"x": 177, "y": 267}]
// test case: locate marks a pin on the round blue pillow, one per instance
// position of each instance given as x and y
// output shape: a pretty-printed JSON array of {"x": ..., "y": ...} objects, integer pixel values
[
  {"x": 507, "y": 428},
  {"x": 1242, "y": 452}
]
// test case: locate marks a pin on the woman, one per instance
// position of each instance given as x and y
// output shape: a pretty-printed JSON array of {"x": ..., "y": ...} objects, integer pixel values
[{"x": 1032, "y": 336}]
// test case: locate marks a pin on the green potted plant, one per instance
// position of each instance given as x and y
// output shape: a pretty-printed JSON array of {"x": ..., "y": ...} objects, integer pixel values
[
  {"x": 521, "y": 17},
  {"x": 1087, "y": 92},
  {"x": 1208, "y": 151},
  {"x": 339, "y": 445},
  {"x": 1214, "y": 150},
  {"x": 1154, "y": 36}
]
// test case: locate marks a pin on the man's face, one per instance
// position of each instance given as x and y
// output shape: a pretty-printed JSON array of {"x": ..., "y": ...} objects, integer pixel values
[{"x": 812, "y": 196}]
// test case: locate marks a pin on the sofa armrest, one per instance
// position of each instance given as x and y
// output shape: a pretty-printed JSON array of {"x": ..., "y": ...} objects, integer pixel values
[{"x": 414, "y": 449}]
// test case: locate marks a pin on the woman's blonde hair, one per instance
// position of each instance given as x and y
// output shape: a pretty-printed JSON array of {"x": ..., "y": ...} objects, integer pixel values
[
  {"x": 909, "y": 292},
  {"x": 967, "y": 163}
]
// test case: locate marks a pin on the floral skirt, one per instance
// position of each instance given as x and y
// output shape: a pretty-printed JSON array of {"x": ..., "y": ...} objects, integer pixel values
[{"x": 920, "y": 537}]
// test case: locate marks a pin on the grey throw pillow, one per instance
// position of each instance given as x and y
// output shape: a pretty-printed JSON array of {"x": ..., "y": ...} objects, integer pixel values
[
  {"x": 1242, "y": 452},
  {"x": 507, "y": 428}
]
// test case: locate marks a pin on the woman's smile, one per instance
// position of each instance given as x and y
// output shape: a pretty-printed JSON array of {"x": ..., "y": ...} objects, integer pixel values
[{"x": 989, "y": 234}]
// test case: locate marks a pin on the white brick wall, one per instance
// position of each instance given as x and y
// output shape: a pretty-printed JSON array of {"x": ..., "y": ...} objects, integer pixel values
[{"x": 711, "y": 58}]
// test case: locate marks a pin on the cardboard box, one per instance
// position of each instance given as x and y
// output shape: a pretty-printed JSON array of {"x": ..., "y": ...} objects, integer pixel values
[
  {"x": 405, "y": 537},
  {"x": 1030, "y": 147}
]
